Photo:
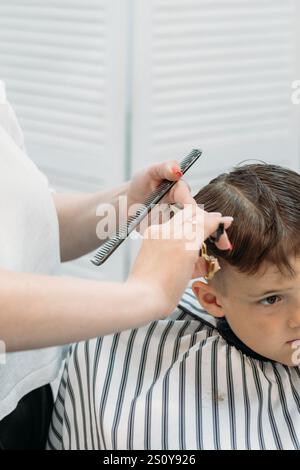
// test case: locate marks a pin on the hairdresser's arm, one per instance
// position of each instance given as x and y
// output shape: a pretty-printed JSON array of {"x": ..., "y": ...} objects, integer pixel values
[
  {"x": 39, "y": 311},
  {"x": 77, "y": 213}
]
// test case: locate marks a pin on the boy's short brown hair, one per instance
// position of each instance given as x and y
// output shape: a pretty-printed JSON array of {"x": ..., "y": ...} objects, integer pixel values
[{"x": 264, "y": 200}]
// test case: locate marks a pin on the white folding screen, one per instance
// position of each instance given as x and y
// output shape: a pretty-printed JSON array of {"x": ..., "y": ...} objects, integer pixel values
[
  {"x": 64, "y": 63},
  {"x": 217, "y": 75}
]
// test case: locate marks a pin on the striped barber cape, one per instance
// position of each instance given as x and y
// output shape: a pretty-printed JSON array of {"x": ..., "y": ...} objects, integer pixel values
[{"x": 174, "y": 384}]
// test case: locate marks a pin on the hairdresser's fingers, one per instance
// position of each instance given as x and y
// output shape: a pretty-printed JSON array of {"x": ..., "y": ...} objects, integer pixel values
[
  {"x": 204, "y": 224},
  {"x": 182, "y": 224},
  {"x": 196, "y": 225},
  {"x": 224, "y": 243},
  {"x": 180, "y": 194},
  {"x": 201, "y": 265},
  {"x": 200, "y": 268},
  {"x": 211, "y": 220},
  {"x": 169, "y": 170}
]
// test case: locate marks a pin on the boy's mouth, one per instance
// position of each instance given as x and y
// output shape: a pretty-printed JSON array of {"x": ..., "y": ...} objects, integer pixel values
[{"x": 296, "y": 341}]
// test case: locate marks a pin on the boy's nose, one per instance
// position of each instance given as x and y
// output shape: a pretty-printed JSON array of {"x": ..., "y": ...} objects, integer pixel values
[{"x": 294, "y": 318}]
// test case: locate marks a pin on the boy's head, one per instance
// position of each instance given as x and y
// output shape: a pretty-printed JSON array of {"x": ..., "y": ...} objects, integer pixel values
[{"x": 258, "y": 287}]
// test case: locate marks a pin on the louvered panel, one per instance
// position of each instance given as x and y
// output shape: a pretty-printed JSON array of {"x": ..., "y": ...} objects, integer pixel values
[
  {"x": 59, "y": 60},
  {"x": 215, "y": 75}
]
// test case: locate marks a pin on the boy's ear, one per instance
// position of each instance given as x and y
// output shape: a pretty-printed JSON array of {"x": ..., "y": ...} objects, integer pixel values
[{"x": 208, "y": 298}]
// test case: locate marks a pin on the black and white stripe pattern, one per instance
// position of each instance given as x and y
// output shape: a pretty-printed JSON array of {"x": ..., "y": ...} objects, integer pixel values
[{"x": 174, "y": 384}]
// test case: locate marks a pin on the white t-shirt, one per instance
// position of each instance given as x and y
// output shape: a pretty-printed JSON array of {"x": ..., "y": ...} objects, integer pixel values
[{"x": 29, "y": 242}]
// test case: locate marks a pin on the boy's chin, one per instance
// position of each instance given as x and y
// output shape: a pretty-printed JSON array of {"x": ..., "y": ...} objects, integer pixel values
[
  {"x": 287, "y": 361},
  {"x": 284, "y": 359},
  {"x": 290, "y": 364}
]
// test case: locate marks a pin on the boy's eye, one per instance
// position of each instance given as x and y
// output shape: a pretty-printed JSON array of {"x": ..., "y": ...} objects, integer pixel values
[{"x": 270, "y": 300}]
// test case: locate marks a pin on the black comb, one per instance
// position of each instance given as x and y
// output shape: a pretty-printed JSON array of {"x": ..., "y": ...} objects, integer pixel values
[{"x": 113, "y": 243}]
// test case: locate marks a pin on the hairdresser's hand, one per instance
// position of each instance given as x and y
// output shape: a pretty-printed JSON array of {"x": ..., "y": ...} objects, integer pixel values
[
  {"x": 147, "y": 180},
  {"x": 170, "y": 253}
]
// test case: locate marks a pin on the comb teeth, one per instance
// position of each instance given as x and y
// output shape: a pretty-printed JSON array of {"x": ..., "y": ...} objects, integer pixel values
[
  {"x": 156, "y": 193},
  {"x": 110, "y": 245}
]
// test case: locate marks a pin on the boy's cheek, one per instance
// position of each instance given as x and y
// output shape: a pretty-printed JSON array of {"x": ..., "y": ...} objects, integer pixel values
[{"x": 245, "y": 325}]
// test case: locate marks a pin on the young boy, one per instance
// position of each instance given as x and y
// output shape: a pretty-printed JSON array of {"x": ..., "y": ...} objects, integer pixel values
[{"x": 221, "y": 376}]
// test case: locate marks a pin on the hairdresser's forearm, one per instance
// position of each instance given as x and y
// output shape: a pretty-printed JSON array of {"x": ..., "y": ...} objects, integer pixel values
[
  {"x": 78, "y": 219},
  {"x": 39, "y": 311}
]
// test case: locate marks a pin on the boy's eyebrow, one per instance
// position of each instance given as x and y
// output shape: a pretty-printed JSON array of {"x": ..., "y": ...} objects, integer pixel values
[{"x": 268, "y": 292}]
